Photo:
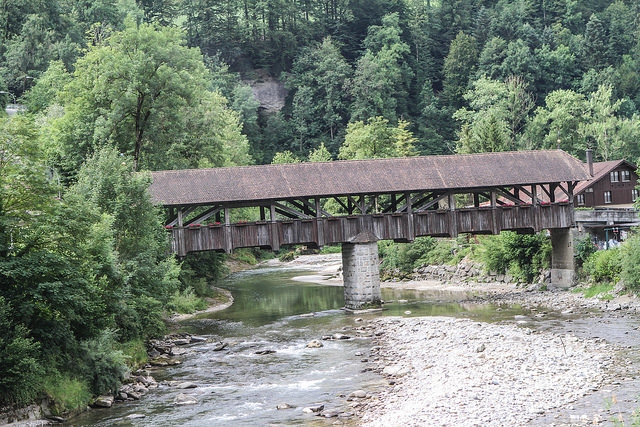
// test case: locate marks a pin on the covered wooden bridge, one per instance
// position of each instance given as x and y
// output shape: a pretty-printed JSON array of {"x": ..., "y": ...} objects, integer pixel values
[{"x": 347, "y": 202}]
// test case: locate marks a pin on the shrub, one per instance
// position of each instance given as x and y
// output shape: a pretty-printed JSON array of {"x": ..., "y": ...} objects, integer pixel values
[
  {"x": 521, "y": 255},
  {"x": 405, "y": 257},
  {"x": 66, "y": 394},
  {"x": 630, "y": 259},
  {"x": 492, "y": 253},
  {"x": 411, "y": 254},
  {"x": 287, "y": 256},
  {"x": 584, "y": 249},
  {"x": 101, "y": 364},
  {"x": 445, "y": 251},
  {"x": 186, "y": 302},
  {"x": 199, "y": 269},
  {"x": 604, "y": 266},
  {"x": 135, "y": 353},
  {"x": 20, "y": 369}
]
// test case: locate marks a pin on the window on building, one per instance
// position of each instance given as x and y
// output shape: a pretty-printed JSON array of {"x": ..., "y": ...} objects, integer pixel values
[
  {"x": 614, "y": 176},
  {"x": 607, "y": 196},
  {"x": 580, "y": 199},
  {"x": 634, "y": 194},
  {"x": 626, "y": 176}
]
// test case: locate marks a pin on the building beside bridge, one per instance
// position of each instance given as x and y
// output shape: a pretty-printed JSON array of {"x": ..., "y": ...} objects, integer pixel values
[
  {"x": 604, "y": 204},
  {"x": 382, "y": 199}
]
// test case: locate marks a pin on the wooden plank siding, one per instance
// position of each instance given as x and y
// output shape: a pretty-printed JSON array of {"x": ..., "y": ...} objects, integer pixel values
[{"x": 336, "y": 230}]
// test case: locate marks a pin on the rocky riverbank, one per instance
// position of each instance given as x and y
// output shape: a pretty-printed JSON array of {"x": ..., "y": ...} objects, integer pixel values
[{"x": 446, "y": 372}]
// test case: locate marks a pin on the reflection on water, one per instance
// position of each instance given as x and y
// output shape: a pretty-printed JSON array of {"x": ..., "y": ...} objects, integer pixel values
[
  {"x": 238, "y": 387},
  {"x": 409, "y": 303}
]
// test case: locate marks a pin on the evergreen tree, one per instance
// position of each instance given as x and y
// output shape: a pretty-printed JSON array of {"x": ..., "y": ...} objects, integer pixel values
[
  {"x": 380, "y": 84},
  {"x": 459, "y": 65},
  {"x": 595, "y": 49}
]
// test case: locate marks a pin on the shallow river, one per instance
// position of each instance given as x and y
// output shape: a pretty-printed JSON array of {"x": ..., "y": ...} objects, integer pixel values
[{"x": 238, "y": 387}]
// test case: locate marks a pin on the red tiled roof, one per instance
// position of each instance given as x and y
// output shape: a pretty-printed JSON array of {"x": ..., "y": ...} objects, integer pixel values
[{"x": 297, "y": 180}]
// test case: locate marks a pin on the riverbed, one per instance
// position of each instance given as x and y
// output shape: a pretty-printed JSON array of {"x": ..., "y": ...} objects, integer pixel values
[{"x": 438, "y": 354}]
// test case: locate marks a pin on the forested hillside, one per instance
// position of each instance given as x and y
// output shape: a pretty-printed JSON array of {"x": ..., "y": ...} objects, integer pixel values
[
  {"x": 116, "y": 88},
  {"x": 465, "y": 75}
]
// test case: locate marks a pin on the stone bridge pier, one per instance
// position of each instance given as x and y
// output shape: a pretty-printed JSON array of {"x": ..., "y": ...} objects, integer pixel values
[
  {"x": 562, "y": 263},
  {"x": 361, "y": 272}
]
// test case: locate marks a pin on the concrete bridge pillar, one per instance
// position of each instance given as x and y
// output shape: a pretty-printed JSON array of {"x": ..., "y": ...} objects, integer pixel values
[
  {"x": 562, "y": 264},
  {"x": 361, "y": 272}
]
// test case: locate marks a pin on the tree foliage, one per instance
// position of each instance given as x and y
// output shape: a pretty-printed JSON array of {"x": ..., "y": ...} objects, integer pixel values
[{"x": 126, "y": 90}]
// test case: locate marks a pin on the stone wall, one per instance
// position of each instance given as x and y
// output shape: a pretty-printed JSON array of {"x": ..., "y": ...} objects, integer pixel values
[{"x": 465, "y": 271}]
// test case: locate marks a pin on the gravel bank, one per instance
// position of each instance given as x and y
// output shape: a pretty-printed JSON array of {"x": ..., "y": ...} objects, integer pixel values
[{"x": 457, "y": 372}]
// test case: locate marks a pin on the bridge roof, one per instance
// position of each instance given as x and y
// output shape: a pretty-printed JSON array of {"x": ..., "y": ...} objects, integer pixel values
[{"x": 234, "y": 185}]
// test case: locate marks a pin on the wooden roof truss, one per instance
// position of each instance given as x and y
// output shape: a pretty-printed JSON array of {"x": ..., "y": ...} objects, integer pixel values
[{"x": 375, "y": 203}]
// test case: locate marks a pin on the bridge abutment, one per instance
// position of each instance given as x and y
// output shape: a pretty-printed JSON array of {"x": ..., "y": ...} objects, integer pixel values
[
  {"x": 361, "y": 272},
  {"x": 562, "y": 262}
]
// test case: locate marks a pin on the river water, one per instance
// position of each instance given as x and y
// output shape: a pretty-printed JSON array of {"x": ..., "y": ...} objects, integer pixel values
[{"x": 273, "y": 313}]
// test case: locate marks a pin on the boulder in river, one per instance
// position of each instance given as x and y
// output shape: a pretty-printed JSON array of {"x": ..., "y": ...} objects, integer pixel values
[
  {"x": 103, "y": 402},
  {"x": 186, "y": 384},
  {"x": 135, "y": 416},
  {"x": 280, "y": 406},
  {"x": 315, "y": 344},
  {"x": 185, "y": 399},
  {"x": 220, "y": 346},
  {"x": 313, "y": 409},
  {"x": 163, "y": 360}
]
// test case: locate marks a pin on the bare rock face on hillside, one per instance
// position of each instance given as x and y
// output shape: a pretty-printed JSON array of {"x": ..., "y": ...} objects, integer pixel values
[{"x": 269, "y": 92}]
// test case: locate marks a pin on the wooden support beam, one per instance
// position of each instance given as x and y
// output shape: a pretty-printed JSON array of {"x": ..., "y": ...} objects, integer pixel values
[
  {"x": 411, "y": 232},
  {"x": 319, "y": 224},
  {"x": 289, "y": 212},
  {"x": 200, "y": 219},
  {"x": 228, "y": 237},
  {"x": 453, "y": 223}
]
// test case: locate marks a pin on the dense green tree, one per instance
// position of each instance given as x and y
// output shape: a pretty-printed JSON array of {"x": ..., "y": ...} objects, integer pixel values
[
  {"x": 379, "y": 87},
  {"x": 519, "y": 61},
  {"x": 28, "y": 54},
  {"x": 627, "y": 80},
  {"x": 610, "y": 135},
  {"x": 574, "y": 123},
  {"x": 482, "y": 26},
  {"x": 595, "y": 48},
  {"x": 125, "y": 93},
  {"x": 283, "y": 157},
  {"x": 319, "y": 107},
  {"x": 496, "y": 115},
  {"x": 215, "y": 27},
  {"x": 377, "y": 139},
  {"x": 20, "y": 367},
  {"x": 163, "y": 12},
  {"x": 459, "y": 65},
  {"x": 57, "y": 261},
  {"x": 556, "y": 68},
  {"x": 107, "y": 180},
  {"x": 47, "y": 88},
  {"x": 622, "y": 29},
  {"x": 511, "y": 18},
  {"x": 436, "y": 127},
  {"x": 320, "y": 154},
  {"x": 491, "y": 58},
  {"x": 556, "y": 124},
  {"x": 24, "y": 188},
  {"x": 419, "y": 18}
]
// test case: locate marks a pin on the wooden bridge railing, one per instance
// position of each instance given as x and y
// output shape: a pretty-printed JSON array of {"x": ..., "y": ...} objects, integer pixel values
[{"x": 400, "y": 227}]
